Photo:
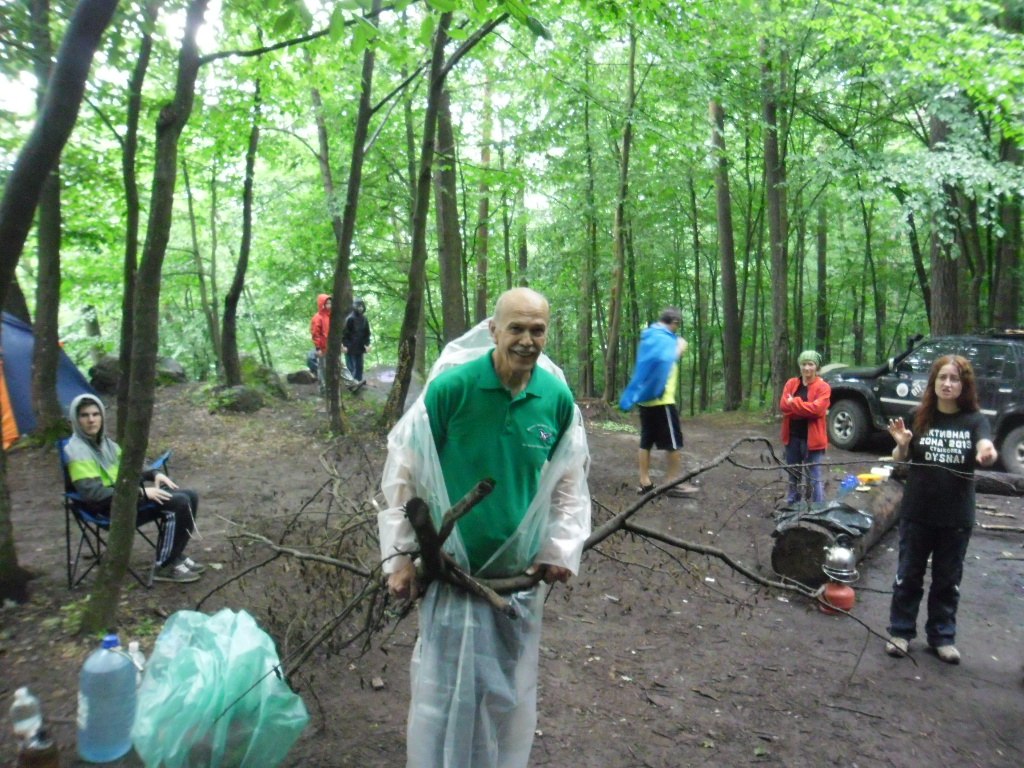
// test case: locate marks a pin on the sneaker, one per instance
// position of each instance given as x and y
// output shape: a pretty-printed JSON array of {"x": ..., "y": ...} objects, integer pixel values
[
  {"x": 683, "y": 490},
  {"x": 948, "y": 654},
  {"x": 897, "y": 646},
  {"x": 177, "y": 572},
  {"x": 192, "y": 565}
]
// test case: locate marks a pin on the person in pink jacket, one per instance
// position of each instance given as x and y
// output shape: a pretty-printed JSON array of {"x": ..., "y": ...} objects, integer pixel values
[{"x": 804, "y": 406}]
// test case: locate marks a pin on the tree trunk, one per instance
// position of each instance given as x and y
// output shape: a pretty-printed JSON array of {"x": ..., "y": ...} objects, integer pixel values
[
  {"x": 24, "y": 184},
  {"x": 945, "y": 307},
  {"x": 799, "y": 552},
  {"x": 101, "y": 610},
  {"x": 417, "y": 267},
  {"x": 821, "y": 340},
  {"x": 731, "y": 330},
  {"x": 48, "y": 235},
  {"x": 775, "y": 190},
  {"x": 1006, "y": 285},
  {"x": 611, "y": 360},
  {"x": 129, "y": 177},
  {"x": 700, "y": 311},
  {"x": 342, "y": 280},
  {"x": 585, "y": 325},
  {"x": 209, "y": 308},
  {"x": 453, "y": 313},
  {"x": 483, "y": 216},
  {"x": 229, "y": 336}
]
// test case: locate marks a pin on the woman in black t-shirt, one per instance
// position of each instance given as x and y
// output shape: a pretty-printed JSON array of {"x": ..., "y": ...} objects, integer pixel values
[{"x": 950, "y": 437}]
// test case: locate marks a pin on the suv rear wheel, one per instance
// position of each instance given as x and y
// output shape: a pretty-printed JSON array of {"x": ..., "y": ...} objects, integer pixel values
[
  {"x": 1012, "y": 451},
  {"x": 848, "y": 424}
]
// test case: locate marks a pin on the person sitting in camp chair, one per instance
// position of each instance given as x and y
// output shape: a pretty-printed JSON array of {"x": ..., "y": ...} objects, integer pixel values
[{"x": 93, "y": 460}]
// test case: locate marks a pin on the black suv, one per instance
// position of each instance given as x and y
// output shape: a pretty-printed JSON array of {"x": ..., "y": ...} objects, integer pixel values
[{"x": 864, "y": 399}]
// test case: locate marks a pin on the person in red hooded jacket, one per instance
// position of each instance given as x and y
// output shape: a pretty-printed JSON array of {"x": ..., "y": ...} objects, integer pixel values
[
  {"x": 319, "y": 327},
  {"x": 804, "y": 406}
]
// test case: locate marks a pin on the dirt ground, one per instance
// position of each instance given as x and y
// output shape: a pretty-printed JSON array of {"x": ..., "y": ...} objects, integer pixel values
[{"x": 652, "y": 658}]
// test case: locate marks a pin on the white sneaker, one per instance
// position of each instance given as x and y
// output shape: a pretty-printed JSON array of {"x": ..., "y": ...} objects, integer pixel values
[
  {"x": 897, "y": 646},
  {"x": 948, "y": 654}
]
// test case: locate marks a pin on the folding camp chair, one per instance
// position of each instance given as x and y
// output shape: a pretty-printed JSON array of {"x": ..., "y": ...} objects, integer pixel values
[{"x": 93, "y": 528}]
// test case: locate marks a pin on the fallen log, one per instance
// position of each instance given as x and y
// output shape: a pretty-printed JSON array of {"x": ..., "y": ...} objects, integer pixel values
[
  {"x": 799, "y": 550},
  {"x": 998, "y": 483}
]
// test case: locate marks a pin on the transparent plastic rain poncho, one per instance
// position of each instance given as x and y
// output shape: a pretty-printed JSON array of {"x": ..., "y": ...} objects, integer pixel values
[{"x": 474, "y": 670}]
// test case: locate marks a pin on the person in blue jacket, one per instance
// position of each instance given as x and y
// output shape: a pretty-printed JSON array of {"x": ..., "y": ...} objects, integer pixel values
[{"x": 653, "y": 388}]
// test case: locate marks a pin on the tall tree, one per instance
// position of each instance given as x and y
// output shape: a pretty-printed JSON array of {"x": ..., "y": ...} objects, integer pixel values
[
  {"x": 483, "y": 223},
  {"x": 48, "y": 237},
  {"x": 439, "y": 69},
  {"x": 727, "y": 258},
  {"x": 229, "y": 332},
  {"x": 342, "y": 289},
  {"x": 101, "y": 610},
  {"x": 449, "y": 242},
  {"x": 611, "y": 358},
  {"x": 775, "y": 191},
  {"x": 37, "y": 158},
  {"x": 129, "y": 178}
]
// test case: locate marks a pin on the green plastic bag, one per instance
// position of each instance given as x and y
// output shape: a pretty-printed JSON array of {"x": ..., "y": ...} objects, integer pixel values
[{"x": 212, "y": 696}]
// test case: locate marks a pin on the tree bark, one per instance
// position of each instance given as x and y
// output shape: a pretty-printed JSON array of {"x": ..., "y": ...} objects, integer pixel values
[
  {"x": 483, "y": 223},
  {"x": 775, "y": 190},
  {"x": 229, "y": 333},
  {"x": 129, "y": 177},
  {"x": 821, "y": 341},
  {"x": 342, "y": 291},
  {"x": 611, "y": 359},
  {"x": 449, "y": 243},
  {"x": 731, "y": 330},
  {"x": 208, "y": 307},
  {"x": 1006, "y": 284},
  {"x": 946, "y": 315},
  {"x": 417, "y": 267},
  {"x": 46, "y": 350},
  {"x": 37, "y": 158},
  {"x": 101, "y": 610}
]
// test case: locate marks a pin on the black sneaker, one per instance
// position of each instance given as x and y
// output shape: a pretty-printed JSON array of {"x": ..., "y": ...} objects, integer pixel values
[{"x": 177, "y": 572}]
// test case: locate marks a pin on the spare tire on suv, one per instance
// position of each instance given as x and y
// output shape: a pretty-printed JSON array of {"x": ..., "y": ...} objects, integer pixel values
[{"x": 864, "y": 399}]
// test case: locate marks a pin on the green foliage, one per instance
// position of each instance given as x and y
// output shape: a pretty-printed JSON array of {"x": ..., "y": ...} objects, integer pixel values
[{"x": 855, "y": 111}]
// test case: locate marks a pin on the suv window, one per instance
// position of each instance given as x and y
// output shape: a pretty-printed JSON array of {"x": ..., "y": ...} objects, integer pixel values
[
  {"x": 988, "y": 360},
  {"x": 921, "y": 359}
]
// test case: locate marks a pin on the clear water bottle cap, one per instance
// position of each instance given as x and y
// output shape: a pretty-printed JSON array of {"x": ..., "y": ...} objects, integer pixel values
[{"x": 111, "y": 641}]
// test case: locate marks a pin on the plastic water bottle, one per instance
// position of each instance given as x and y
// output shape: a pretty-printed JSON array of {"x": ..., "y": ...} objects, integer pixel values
[
  {"x": 106, "y": 703},
  {"x": 138, "y": 659},
  {"x": 26, "y": 716},
  {"x": 848, "y": 484}
]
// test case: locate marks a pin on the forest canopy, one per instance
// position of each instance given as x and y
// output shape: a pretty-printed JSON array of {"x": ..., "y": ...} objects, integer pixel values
[{"x": 804, "y": 174}]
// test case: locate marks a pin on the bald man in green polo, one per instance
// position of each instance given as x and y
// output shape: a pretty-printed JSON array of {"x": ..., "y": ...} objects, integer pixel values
[{"x": 494, "y": 407}]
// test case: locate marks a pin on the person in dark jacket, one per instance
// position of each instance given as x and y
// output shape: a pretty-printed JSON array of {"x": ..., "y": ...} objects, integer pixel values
[
  {"x": 356, "y": 340},
  {"x": 93, "y": 463}
]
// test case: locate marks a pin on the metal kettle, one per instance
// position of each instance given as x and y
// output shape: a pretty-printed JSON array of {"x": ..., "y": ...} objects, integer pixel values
[{"x": 841, "y": 561}]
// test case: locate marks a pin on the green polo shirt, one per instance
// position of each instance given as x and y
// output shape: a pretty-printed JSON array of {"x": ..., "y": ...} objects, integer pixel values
[{"x": 481, "y": 431}]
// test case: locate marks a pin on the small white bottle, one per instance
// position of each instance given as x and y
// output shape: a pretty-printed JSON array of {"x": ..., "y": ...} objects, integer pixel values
[
  {"x": 138, "y": 659},
  {"x": 26, "y": 716}
]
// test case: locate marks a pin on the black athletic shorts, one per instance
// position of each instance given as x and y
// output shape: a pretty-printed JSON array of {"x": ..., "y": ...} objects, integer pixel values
[{"x": 659, "y": 427}]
